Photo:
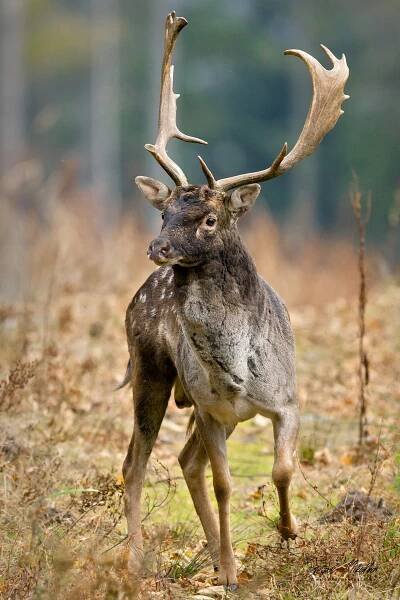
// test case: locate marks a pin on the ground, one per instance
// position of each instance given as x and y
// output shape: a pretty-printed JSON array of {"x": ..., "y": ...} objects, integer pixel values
[{"x": 64, "y": 434}]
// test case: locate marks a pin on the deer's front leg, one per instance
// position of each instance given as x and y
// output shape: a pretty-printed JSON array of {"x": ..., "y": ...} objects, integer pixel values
[
  {"x": 150, "y": 403},
  {"x": 213, "y": 435},
  {"x": 193, "y": 460}
]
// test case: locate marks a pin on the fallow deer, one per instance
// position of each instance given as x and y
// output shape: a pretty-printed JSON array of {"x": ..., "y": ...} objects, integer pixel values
[{"x": 208, "y": 325}]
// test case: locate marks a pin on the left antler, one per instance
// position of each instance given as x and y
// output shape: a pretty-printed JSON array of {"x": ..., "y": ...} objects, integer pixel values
[
  {"x": 167, "y": 127},
  {"x": 324, "y": 112}
]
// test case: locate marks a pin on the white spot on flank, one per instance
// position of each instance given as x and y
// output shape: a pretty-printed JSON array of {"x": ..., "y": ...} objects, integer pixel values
[
  {"x": 162, "y": 294},
  {"x": 142, "y": 297},
  {"x": 166, "y": 271},
  {"x": 162, "y": 331},
  {"x": 153, "y": 312},
  {"x": 155, "y": 283},
  {"x": 171, "y": 277},
  {"x": 170, "y": 294}
]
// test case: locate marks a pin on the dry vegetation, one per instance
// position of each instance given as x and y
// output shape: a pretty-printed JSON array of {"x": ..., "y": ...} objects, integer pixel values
[{"x": 63, "y": 433}]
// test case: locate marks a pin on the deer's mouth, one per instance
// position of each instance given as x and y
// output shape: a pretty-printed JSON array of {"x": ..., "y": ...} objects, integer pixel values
[
  {"x": 176, "y": 260},
  {"x": 160, "y": 259},
  {"x": 161, "y": 252}
]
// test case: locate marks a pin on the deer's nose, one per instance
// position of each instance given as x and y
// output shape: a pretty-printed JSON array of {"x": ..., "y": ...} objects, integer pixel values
[{"x": 159, "y": 250}]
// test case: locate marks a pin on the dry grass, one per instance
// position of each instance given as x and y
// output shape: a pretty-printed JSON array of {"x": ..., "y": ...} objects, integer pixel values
[{"x": 63, "y": 434}]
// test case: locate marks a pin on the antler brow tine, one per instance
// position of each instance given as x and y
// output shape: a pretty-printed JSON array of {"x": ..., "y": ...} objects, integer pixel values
[{"x": 167, "y": 127}]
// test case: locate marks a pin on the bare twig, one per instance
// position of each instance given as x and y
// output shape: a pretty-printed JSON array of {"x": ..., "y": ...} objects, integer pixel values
[
  {"x": 157, "y": 503},
  {"x": 313, "y": 485},
  {"x": 362, "y": 217},
  {"x": 116, "y": 544},
  {"x": 374, "y": 470}
]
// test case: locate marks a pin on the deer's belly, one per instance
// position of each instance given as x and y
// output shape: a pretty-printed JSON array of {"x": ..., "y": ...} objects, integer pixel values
[
  {"x": 219, "y": 395},
  {"x": 234, "y": 379},
  {"x": 230, "y": 412},
  {"x": 233, "y": 399}
]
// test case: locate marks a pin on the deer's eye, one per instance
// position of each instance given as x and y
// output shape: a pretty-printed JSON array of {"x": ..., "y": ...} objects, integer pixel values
[
  {"x": 210, "y": 222},
  {"x": 162, "y": 216}
]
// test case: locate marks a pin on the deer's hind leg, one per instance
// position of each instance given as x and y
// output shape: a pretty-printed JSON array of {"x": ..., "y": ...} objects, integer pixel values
[
  {"x": 286, "y": 426},
  {"x": 151, "y": 391}
]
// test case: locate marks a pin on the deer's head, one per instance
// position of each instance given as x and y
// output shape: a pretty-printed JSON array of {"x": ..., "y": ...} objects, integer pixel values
[{"x": 197, "y": 218}]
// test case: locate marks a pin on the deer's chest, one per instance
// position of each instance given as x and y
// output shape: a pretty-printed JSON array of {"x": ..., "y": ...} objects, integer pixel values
[
  {"x": 212, "y": 359},
  {"x": 233, "y": 363}
]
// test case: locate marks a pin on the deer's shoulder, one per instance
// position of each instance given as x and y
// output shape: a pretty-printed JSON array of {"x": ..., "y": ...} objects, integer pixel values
[
  {"x": 152, "y": 305},
  {"x": 275, "y": 311}
]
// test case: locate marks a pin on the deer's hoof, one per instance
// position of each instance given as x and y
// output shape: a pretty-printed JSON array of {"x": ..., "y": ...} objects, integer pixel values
[
  {"x": 227, "y": 577},
  {"x": 288, "y": 532},
  {"x": 232, "y": 587},
  {"x": 134, "y": 567},
  {"x": 134, "y": 561}
]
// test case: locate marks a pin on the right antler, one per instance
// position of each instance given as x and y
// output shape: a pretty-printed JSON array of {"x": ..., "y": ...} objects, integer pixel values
[
  {"x": 167, "y": 127},
  {"x": 324, "y": 112}
]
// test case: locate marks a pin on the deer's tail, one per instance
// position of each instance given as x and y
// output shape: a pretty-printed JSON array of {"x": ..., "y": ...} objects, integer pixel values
[
  {"x": 127, "y": 377},
  {"x": 190, "y": 425}
]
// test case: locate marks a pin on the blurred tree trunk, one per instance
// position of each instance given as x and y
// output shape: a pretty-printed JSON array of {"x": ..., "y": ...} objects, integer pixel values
[
  {"x": 11, "y": 83},
  {"x": 105, "y": 108},
  {"x": 12, "y": 137}
]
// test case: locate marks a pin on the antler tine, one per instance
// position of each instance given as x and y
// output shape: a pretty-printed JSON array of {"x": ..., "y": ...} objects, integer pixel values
[
  {"x": 167, "y": 127},
  {"x": 326, "y": 105},
  {"x": 237, "y": 180},
  {"x": 323, "y": 114},
  {"x": 207, "y": 172}
]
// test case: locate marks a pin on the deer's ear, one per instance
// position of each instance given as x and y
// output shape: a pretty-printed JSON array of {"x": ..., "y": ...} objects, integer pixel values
[
  {"x": 243, "y": 198},
  {"x": 156, "y": 193}
]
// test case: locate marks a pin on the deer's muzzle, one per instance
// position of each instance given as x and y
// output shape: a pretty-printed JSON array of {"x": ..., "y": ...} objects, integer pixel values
[{"x": 161, "y": 252}]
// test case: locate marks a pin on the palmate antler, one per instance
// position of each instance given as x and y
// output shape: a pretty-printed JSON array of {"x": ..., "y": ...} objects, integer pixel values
[
  {"x": 324, "y": 112},
  {"x": 167, "y": 127}
]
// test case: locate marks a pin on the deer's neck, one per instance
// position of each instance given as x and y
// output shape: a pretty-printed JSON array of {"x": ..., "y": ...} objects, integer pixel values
[
  {"x": 218, "y": 307},
  {"x": 227, "y": 283}
]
